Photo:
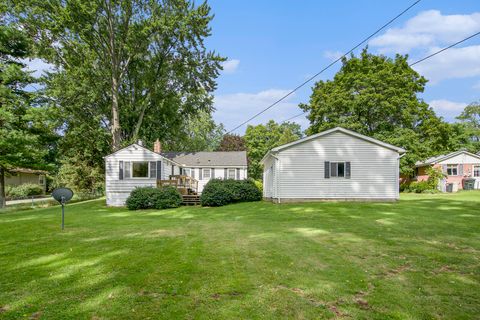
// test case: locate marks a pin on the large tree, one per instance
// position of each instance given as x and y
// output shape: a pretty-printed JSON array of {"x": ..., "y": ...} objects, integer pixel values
[
  {"x": 20, "y": 119},
  {"x": 138, "y": 66},
  {"x": 232, "y": 142},
  {"x": 470, "y": 119},
  {"x": 378, "y": 96},
  {"x": 261, "y": 138}
]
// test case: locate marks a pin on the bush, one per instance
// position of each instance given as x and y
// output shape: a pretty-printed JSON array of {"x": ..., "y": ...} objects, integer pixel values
[
  {"x": 221, "y": 192},
  {"x": 154, "y": 198},
  {"x": 259, "y": 185},
  {"x": 419, "y": 186},
  {"x": 23, "y": 190}
]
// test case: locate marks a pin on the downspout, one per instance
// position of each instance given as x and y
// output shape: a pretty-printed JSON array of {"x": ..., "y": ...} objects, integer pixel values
[
  {"x": 277, "y": 169},
  {"x": 398, "y": 174}
]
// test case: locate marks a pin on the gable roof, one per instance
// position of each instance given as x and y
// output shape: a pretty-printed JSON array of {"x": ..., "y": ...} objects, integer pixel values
[
  {"x": 330, "y": 131},
  {"x": 442, "y": 157},
  {"x": 205, "y": 159},
  {"x": 136, "y": 145}
]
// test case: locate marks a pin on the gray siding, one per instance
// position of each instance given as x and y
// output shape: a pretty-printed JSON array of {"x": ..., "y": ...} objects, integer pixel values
[{"x": 300, "y": 174}]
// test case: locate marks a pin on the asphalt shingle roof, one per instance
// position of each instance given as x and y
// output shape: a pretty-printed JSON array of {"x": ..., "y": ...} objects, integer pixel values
[{"x": 203, "y": 158}]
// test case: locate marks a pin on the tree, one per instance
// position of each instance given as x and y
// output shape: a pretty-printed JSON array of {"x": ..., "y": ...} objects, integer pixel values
[
  {"x": 140, "y": 66},
  {"x": 232, "y": 142},
  {"x": 470, "y": 119},
  {"x": 19, "y": 144},
  {"x": 200, "y": 133},
  {"x": 261, "y": 138},
  {"x": 377, "y": 96}
]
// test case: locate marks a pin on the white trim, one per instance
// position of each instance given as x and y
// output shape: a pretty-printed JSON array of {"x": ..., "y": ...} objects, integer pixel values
[
  {"x": 446, "y": 157},
  {"x": 142, "y": 147},
  {"x": 343, "y": 130}
]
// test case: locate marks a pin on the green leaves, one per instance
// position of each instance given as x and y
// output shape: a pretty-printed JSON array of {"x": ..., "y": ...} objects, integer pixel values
[{"x": 261, "y": 138}]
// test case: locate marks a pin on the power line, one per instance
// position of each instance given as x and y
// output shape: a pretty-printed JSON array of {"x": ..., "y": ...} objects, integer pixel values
[
  {"x": 327, "y": 67},
  {"x": 412, "y": 64}
]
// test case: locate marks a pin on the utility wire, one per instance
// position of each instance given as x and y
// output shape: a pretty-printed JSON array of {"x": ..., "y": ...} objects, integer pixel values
[
  {"x": 327, "y": 67},
  {"x": 412, "y": 64}
]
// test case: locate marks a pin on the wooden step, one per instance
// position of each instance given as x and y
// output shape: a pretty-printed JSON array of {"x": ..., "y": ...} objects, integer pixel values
[{"x": 191, "y": 199}]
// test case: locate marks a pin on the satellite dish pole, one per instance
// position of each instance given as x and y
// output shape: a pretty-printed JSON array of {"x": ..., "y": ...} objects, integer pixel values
[{"x": 62, "y": 195}]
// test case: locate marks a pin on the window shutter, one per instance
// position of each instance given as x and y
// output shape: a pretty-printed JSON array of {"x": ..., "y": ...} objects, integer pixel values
[
  {"x": 225, "y": 173},
  {"x": 200, "y": 177},
  {"x": 193, "y": 172},
  {"x": 159, "y": 170},
  {"x": 444, "y": 168},
  {"x": 238, "y": 173},
  {"x": 347, "y": 170},
  {"x": 212, "y": 173},
  {"x": 173, "y": 170},
  {"x": 460, "y": 169},
  {"x": 120, "y": 170},
  {"x": 327, "y": 169}
]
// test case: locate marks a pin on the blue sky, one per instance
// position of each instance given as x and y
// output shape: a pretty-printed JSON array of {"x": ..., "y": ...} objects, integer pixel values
[{"x": 273, "y": 46}]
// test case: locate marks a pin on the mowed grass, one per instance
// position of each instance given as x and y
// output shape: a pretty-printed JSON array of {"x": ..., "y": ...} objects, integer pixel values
[{"x": 415, "y": 259}]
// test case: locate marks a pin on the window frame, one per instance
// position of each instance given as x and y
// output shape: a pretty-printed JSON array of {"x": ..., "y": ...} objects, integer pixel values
[
  {"x": 131, "y": 170},
  {"x": 234, "y": 173},
  {"x": 204, "y": 176},
  {"x": 336, "y": 163},
  {"x": 476, "y": 167},
  {"x": 452, "y": 167}
]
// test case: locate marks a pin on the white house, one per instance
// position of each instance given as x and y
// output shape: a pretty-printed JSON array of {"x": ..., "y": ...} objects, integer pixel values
[
  {"x": 337, "y": 164},
  {"x": 137, "y": 166}
]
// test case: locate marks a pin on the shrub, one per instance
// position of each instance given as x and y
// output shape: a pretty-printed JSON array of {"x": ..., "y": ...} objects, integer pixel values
[
  {"x": 154, "y": 198},
  {"x": 434, "y": 177},
  {"x": 419, "y": 186},
  {"x": 24, "y": 190},
  {"x": 221, "y": 192},
  {"x": 259, "y": 185}
]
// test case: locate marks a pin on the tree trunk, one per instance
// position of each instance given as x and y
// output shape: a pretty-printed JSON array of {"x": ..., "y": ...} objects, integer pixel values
[
  {"x": 116, "y": 129},
  {"x": 3, "y": 203}
]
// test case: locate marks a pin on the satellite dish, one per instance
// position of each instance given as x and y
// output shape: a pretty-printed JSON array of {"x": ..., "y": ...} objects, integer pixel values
[{"x": 62, "y": 195}]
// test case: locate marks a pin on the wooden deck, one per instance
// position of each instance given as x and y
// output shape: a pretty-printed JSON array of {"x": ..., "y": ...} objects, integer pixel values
[{"x": 187, "y": 186}]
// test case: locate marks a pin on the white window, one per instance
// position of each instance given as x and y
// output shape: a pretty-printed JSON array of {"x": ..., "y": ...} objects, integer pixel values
[
  {"x": 337, "y": 169},
  {"x": 140, "y": 169},
  {"x": 186, "y": 171},
  {"x": 476, "y": 171},
  {"x": 231, "y": 173},
  {"x": 206, "y": 173},
  {"x": 452, "y": 169}
]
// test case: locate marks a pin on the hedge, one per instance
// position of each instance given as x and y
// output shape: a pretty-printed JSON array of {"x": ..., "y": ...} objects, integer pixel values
[
  {"x": 154, "y": 198},
  {"x": 219, "y": 192},
  {"x": 23, "y": 190}
]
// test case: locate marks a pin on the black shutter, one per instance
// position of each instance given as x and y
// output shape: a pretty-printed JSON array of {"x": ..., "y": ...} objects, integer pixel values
[
  {"x": 173, "y": 169},
  {"x": 212, "y": 173},
  {"x": 327, "y": 169},
  {"x": 120, "y": 170},
  {"x": 225, "y": 173},
  {"x": 159, "y": 170},
  {"x": 347, "y": 170},
  {"x": 238, "y": 173},
  {"x": 200, "y": 177}
]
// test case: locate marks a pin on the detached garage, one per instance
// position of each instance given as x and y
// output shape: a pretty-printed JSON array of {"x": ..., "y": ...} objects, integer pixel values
[{"x": 337, "y": 164}]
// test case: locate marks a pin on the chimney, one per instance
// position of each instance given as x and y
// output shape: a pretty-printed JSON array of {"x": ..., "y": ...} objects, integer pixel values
[
  {"x": 140, "y": 143},
  {"x": 157, "y": 146}
]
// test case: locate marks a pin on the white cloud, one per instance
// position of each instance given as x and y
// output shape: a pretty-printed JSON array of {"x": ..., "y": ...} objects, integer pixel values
[
  {"x": 37, "y": 66},
  {"x": 453, "y": 63},
  {"x": 233, "y": 109},
  {"x": 427, "y": 29},
  {"x": 449, "y": 110},
  {"x": 230, "y": 66},
  {"x": 447, "y": 105},
  {"x": 332, "y": 55}
]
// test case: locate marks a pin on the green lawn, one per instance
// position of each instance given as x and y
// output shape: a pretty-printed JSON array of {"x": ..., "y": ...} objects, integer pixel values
[{"x": 415, "y": 259}]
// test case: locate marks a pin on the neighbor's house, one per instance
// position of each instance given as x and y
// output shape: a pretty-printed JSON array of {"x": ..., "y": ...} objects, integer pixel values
[
  {"x": 21, "y": 176},
  {"x": 137, "y": 166},
  {"x": 336, "y": 164},
  {"x": 456, "y": 166}
]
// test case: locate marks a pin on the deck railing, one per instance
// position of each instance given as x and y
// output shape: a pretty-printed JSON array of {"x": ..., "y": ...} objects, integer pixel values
[{"x": 180, "y": 182}]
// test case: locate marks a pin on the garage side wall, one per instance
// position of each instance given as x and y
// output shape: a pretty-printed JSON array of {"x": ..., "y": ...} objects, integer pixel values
[{"x": 374, "y": 170}]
